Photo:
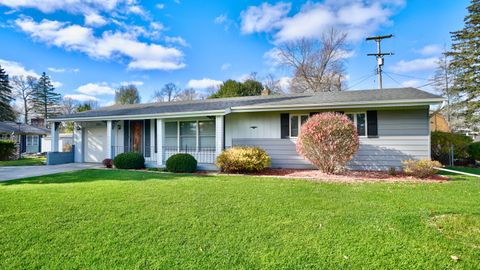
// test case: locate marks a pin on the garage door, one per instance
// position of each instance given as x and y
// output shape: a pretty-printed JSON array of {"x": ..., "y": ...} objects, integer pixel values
[{"x": 96, "y": 141}]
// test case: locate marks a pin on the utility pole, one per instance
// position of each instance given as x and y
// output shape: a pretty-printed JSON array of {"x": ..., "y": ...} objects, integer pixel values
[{"x": 379, "y": 56}]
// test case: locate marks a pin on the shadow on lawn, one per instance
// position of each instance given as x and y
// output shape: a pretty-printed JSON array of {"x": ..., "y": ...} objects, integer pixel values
[{"x": 98, "y": 175}]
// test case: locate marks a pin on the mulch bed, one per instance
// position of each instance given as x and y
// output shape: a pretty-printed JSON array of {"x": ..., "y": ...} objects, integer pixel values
[{"x": 347, "y": 176}]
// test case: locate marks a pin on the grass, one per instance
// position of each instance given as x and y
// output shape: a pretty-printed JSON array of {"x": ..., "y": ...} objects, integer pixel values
[
  {"x": 109, "y": 219},
  {"x": 27, "y": 161}
]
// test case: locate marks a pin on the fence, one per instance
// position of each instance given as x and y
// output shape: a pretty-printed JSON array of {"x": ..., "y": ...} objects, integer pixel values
[{"x": 203, "y": 155}]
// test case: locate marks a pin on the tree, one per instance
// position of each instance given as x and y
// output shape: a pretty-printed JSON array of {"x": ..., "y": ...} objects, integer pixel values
[
  {"x": 232, "y": 88},
  {"x": 465, "y": 53},
  {"x": 45, "y": 100},
  {"x": 187, "y": 94},
  {"x": 6, "y": 97},
  {"x": 127, "y": 95},
  {"x": 87, "y": 106},
  {"x": 273, "y": 84},
  {"x": 24, "y": 88},
  {"x": 168, "y": 93},
  {"x": 318, "y": 65}
]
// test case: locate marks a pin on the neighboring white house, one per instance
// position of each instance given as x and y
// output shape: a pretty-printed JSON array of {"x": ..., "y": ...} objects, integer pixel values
[
  {"x": 65, "y": 142},
  {"x": 393, "y": 125}
]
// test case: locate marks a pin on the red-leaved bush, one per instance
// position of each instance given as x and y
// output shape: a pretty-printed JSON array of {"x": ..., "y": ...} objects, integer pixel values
[{"x": 328, "y": 140}]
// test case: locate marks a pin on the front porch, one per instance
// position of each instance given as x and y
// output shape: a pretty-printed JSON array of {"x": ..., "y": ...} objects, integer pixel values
[{"x": 156, "y": 139}]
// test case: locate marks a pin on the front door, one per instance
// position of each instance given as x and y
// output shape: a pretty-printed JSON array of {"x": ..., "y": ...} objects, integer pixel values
[{"x": 137, "y": 134}]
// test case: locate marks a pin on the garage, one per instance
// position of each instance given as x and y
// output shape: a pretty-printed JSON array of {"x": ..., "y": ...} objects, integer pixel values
[{"x": 96, "y": 142}]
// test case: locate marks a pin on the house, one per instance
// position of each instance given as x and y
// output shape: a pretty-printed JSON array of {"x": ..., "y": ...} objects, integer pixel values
[
  {"x": 438, "y": 122},
  {"x": 30, "y": 137},
  {"x": 393, "y": 125}
]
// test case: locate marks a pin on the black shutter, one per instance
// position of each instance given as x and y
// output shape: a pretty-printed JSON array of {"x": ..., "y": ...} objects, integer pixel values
[
  {"x": 284, "y": 125},
  {"x": 372, "y": 124},
  {"x": 126, "y": 136},
  {"x": 148, "y": 148},
  {"x": 23, "y": 143},
  {"x": 155, "y": 134},
  {"x": 313, "y": 113},
  {"x": 39, "y": 143}
]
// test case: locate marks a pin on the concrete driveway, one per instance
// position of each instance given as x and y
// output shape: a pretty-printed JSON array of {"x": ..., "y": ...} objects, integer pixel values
[{"x": 17, "y": 172}]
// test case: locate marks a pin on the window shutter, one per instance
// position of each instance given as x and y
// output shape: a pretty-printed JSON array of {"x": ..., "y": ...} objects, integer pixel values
[
  {"x": 313, "y": 113},
  {"x": 372, "y": 124},
  {"x": 284, "y": 125},
  {"x": 23, "y": 143},
  {"x": 148, "y": 148},
  {"x": 126, "y": 136}
]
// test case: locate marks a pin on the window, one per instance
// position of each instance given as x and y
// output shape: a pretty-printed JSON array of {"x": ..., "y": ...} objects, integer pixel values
[
  {"x": 29, "y": 140},
  {"x": 296, "y": 121},
  {"x": 360, "y": 121},
  {"x": 190, "y": 135}
]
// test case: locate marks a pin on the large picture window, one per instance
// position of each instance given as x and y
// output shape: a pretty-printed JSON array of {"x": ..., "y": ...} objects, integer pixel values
[
  {"x": 190, "y": 135},
  {"x": 296, "y": 121},
  {"x": 360, "y": 121}
]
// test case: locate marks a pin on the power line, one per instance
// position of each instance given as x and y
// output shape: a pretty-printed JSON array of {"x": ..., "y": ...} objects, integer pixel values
[
  {"x": 408, "y": 76},
  {"x": 392, "y": 78},
  {"x": 361, "y": 81}
]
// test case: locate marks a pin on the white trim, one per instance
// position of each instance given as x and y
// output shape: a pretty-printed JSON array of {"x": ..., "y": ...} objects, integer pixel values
[
  {"x": 356, "y": 124},
  {"x": 299, "y": 120},
  {"x": 160, "y": 136}
]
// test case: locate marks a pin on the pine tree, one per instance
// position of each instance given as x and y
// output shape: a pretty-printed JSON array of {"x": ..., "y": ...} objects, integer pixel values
[
  {"x": 45, "y": 100},
  {"x": 6, "y": 110},
  {"x": 465, "y": 55}
]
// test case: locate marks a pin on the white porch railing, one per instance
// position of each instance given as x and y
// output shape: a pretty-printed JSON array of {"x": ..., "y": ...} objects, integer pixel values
[
  {"x": 149, "y": 153},
  {"x": 204, "y": 155}
]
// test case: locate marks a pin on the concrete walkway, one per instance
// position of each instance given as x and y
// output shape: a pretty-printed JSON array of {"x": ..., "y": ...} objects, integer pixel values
[{"x": 17, "y": 172}]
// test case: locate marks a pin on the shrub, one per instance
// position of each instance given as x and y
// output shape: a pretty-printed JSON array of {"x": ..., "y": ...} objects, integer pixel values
[
  {"x": 243, "y": 159},
  {"x": 474, "y": 150},
  {"x": 441, "y": 143},
  {"x": 181, "y": 163},
  {"x": 7, "y": 149},
  {"x": 392, "y": 171},
  {"x": 328, "y": 141},
  {"x": 129, "y": 160},
  {"x": 420, "y": 168},
  {"x": 107, "y": 162}
]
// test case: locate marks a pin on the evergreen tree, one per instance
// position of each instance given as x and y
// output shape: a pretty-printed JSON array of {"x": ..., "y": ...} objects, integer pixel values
[
  {"x": 465, "y": 55},
  {"x": 45, "y": 100},
  {"x": 232, "y": 88},
  {"x": 6, "y": 110}
]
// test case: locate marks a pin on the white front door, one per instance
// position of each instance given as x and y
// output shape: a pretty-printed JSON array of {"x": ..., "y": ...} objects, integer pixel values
[{"x": 96, "y": 142}]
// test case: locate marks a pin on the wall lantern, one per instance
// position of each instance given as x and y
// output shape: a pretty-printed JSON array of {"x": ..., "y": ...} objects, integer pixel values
[{"x": 253, "y": 127}]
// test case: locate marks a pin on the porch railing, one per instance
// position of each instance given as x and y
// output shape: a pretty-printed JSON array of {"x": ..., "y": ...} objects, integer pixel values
[
  {"x": 148, "y": 152},
  {"x": 203, "y": 155}
]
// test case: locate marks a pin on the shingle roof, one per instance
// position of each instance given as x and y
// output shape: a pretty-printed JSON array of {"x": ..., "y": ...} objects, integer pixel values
[
  {"x": 341, "y": 97},
  {"x": 9, "y": 127}
]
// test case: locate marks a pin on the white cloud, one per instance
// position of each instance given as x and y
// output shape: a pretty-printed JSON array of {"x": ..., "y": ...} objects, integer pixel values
[
  {"x": 431, "y": 49},
  {"x": 57, "y": 84},
  {"x": 203, "y": 83},
  {"x": 16, "y": 69},
  {"x": 225, "y": 66},
  {"x": 136, "y": 83},
  {"x": 94, "y": 19},
  {"x": 160, "y": 6},
  {"x": 81, "y": 97},
  {"x": 224, "y": 20},
  {"x": 357, "y": 18},
  {"x": 56, "y": 70},
  {"x": 411, "y": 83},
  {"x": 264, "y": 17},
  {"x": 285, "y": 83},
  {"x": 176, "y": 40},
  {"x": 110, "y": 45},
  {"x": 95, "y": 89},
  {"x": 273, "y": 57},
  {"x": 420, "y": 64},
  {"x": 73, "y": 6}
]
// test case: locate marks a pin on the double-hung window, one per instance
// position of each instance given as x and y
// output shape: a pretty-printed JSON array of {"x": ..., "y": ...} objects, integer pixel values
[
  {"x": 190, "y": 135},
  {"x": 296, "y": 121},
  {"x": 360, "y": 121}
]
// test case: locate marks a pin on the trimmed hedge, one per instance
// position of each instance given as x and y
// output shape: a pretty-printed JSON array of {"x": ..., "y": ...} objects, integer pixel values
[
  {"x": 242, "y": 159},
  {"x": 7, "y": 149},
  {"x": 181, "y": 163},
  {"x": 129, "y": 160},
  {"x": 421, "y": 168},
  {"x": 474, "y": 150}
]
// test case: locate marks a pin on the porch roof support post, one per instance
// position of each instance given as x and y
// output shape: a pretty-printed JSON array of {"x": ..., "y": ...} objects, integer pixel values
[
  {"x": 219, "y": 136},
  {"x": 160, "y": 135},
  {"x": 55, "y": 136},
  {"x": 109, "y": 139}
]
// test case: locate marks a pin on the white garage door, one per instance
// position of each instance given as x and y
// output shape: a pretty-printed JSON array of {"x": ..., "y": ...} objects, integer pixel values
[{"x": 96, "y": 141}]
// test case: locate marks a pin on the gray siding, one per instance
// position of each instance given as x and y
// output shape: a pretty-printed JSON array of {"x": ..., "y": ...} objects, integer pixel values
[{"x": 403, "y": 134}]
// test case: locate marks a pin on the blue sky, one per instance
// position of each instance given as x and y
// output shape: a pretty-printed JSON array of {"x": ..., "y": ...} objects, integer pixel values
[{"x": 91, "y": 47}]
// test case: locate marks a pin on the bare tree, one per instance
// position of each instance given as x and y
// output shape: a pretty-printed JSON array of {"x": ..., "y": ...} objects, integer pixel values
[
  {"x": 187, "y": 94},
  {"x": 68, "y": 106},
  {"x": 443, "y": 80},
  {"x": 127, "y": 95},
  {"x": 168, "y": 93},
  {"x": 24, "y": 88},
  {"x": 273, "y": 84},
  {"x": 318, "y": 65}
]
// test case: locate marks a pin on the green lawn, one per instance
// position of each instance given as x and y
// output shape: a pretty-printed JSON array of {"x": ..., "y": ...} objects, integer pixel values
[
  {"x": 463, "y": 169},
  {"x": 107, "y": 219},
  {"x": 28, "y": 161}
]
